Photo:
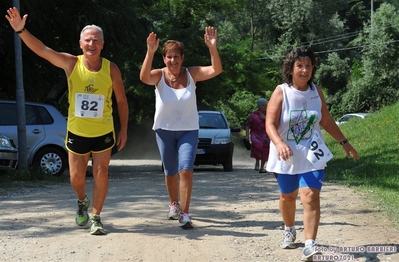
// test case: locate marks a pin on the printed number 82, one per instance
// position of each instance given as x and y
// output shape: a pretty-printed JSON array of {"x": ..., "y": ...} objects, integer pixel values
[{"x": 91, "y": 106}]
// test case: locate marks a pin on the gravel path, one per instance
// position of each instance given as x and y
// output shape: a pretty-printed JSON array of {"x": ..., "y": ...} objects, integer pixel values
[{"x": 235, "y": 215}]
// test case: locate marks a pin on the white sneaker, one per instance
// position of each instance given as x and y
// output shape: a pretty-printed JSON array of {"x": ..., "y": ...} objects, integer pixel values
[
  {"x": 174, "y": 211},
  {"x": 309, "y": 251},
  {"x": 289, "y": 239},
  {"x": 185, "y": 221}
]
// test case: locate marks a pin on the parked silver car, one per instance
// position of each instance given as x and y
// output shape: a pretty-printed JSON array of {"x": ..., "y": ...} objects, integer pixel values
[
  {"x": 45, "y": 134},
  {"x": 215, "y": 145},
  {"x": 8, "y": 153},
  {"x": 346, "y": 118}
]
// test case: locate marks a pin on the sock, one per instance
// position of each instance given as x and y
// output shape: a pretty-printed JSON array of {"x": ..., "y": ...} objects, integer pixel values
[
  {"x": 309, "y": 242},
  {"x": 84, "y": 200},
  {"x": 291, "y": 229}
]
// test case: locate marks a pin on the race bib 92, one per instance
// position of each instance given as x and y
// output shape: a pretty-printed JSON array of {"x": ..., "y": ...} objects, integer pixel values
[{"x": 318, "y": 153}]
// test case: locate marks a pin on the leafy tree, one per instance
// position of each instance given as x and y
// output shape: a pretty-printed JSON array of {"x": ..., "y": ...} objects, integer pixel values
[
  {"x": 185, "y": 21},
  {"x": 238, "y": 107},
  {"x": 254, "y": 37},
  {"x": 378, "y": 85},
  {"x": 333, "y": 76},
  {"x": 305, "y": 23},
  {"x": 124, "y": 29}
]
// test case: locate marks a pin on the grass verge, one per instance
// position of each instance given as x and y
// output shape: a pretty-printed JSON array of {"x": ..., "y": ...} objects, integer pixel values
[{"x": 375, "y": 138}]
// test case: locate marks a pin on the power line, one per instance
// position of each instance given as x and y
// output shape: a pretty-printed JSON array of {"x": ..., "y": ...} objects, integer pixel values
[
  {"x": 337, "y": 50},
  {"x": 355, "y": 47},
  {"x": 340, "y": 37}
]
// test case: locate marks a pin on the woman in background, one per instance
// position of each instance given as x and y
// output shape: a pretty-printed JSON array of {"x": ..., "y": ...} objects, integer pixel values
[{"x": 260, "y": 140}]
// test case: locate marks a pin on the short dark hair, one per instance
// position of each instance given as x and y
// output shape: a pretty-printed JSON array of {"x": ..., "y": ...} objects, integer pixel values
[
  {"x": 293, "y": 56},
  {"x": 173, "y": 45}
]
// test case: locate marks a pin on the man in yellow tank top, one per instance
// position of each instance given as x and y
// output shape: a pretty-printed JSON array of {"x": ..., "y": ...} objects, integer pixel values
[{"x": 91, "y": 82}]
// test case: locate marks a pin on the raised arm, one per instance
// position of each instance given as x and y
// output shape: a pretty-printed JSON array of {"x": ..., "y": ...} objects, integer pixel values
[
  {"x": 202, "y": 73},
  {"x": 148, "y": 76},
  {"x": 61, "y": 60}
]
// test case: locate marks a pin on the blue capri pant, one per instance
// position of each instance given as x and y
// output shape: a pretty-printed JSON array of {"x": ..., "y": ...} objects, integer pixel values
[
  {"x": 289, "y": 183},
  {"x": 177, "y": 149}
]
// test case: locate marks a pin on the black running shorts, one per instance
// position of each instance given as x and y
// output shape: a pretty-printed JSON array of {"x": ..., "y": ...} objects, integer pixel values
[{"x": 84, "y": 145}]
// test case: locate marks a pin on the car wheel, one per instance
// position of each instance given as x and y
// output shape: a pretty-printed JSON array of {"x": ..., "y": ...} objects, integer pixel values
[
  {"x": 228, "y": 166},
  {"x": 52, "y": 161}
]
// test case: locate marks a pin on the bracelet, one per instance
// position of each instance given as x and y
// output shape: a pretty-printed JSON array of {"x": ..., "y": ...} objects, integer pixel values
[
  {"x": 343, "y": 142},
  {"x": 20, "y": 31}
]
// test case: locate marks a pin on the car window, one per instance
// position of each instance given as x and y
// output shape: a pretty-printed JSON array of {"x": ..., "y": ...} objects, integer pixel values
[
  {"x": 45, "y": 117},
  {"x": 215, "y": 121},
  {"x": 30, "y": 115},
  {"x": 344, "y": 119},
  {"x": 8, "y": 114}
]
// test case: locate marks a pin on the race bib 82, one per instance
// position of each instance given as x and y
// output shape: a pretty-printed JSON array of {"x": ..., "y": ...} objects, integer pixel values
[{"x": 89, "y": 105}]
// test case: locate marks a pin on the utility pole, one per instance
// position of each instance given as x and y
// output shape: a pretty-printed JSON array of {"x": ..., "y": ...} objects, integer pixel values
[{"x": 20, "y": 97}]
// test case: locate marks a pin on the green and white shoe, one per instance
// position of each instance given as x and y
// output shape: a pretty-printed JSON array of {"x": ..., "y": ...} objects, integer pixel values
[
  {"x": 82, "y": 217},
  {"x": 96, "y": 227}
]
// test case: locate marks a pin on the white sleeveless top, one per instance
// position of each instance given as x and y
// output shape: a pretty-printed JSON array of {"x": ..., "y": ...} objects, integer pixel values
[
  {"x": 300, "y": 117},
  {"x": 176, "y": 109}
]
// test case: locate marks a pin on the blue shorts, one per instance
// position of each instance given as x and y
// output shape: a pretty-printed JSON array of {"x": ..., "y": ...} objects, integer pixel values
[
  {"x": 289, "y": 183},
  {"x": 177, "y": 149}
]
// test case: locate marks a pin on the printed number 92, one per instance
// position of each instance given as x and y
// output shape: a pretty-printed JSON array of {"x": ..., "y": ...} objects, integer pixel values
[{"x": 314, "y": 146}]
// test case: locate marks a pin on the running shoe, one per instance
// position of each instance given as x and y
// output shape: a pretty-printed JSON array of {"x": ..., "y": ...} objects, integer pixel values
[
  {"x": 96, "y": 227},
  {"x": 82, "y": 216},
  {"x": 185, "y": 221},
  {"x": 309, "y": 251},
  {"x": 289, "y": 239},
  {"x": 174, "y": 211}
]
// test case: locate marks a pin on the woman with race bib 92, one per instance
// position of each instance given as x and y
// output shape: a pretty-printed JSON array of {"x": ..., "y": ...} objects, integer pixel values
[{"x": 298, "y": 155}]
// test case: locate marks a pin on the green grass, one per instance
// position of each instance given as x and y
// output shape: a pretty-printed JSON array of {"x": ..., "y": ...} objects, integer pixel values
[{"x": 376, "y": 139}]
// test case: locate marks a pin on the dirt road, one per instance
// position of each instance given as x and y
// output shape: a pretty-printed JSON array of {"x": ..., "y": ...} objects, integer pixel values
[{"x": 235, "y": 215}]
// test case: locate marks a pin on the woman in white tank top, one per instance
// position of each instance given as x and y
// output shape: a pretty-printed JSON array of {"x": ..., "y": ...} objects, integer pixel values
[
  {"x": 176, "y": 115},
  {"x": 295, "y": 112}
]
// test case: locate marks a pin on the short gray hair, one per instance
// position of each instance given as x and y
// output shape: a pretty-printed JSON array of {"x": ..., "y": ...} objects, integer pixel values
[
  {"x": 99, "y": 29},
  {"x": 262, "y": 101}
]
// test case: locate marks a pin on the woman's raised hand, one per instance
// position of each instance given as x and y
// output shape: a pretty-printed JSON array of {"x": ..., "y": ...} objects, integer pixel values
[
  {"x": 152, "y": 42},
  {"x": 210, "y": 36}
]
